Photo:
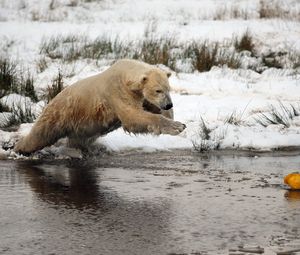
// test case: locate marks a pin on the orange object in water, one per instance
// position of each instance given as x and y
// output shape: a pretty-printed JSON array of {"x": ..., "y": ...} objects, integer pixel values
[{"x": 293, "y": 180}]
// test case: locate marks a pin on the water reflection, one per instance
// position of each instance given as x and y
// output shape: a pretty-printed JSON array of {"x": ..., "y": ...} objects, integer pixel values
[
  {"x": 71, "y": 200},
  {"x": 292, "y": 195},
  {"x": 146, "y": 204},
  {"x": 71, "y": 185}
]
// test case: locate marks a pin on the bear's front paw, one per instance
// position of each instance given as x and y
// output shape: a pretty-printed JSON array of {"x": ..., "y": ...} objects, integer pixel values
[{"x": 173, "y": 128}]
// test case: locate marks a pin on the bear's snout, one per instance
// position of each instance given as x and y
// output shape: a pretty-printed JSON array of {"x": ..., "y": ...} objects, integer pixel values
[
  {"x": 167, "y": 103},
  {"x": 168, "y": 106}
]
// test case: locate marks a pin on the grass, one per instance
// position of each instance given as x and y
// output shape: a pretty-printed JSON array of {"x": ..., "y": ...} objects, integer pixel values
[
  {"x": 204, "y": 136},
  {"x": 56, "y": 87},
  {"x": 73, "y": 3},
  {"x": 191, "y": 56},
  {"x": 245, "y": 43},
  {"x": 42, "y": 64},
  {"x": 154, "y": 50},
  {"x": 20, "y": 113},
  {"x": 202, "y": 57},
  {"x": 105, "y": 47},
  {"x": 234, "y": 119},
  {"x": 239, "y": 13},
  {"x": 27, "y": 87},
  {"x": 294, "y": 60},
  {"x": 3, "y": 108},
  {"x": 52, "y": 47},
  {"x": 14, "y": 80},
  {"x": 233, "y": 12},
  {"x": 273, "y": 9},
  {"x": 229, "y": 59},
  {"x": 282, "y": 115},
  {"x": 267, "y": 11},
  {"x": 206, "y": 55},
  {"x": 272, "y": 61},
  {"x": 71, "y": 48},
  {"x": 8, "y": 77}
]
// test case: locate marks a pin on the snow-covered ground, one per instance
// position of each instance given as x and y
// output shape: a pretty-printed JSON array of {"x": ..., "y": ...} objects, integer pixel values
[{"x": 222, "y": 108}]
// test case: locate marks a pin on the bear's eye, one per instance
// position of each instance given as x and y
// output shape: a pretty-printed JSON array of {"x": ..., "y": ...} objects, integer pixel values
[{"x": 159, "y": 91}]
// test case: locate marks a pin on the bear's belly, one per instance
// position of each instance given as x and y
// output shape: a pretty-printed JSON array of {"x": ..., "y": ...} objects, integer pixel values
[
  {"x": 103, "y": 130},
  {"x": 97, "y": 129}
]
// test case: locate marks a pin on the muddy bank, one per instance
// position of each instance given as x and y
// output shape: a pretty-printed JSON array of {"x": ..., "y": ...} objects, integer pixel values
[{"x": 159, "y": 203}]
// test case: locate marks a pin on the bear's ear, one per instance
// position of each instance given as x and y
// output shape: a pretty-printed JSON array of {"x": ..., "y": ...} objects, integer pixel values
[
  {"x": 144, "y": 79},
  {"x": 168, "y": 74},
  {"x": 139, "y": 84}
]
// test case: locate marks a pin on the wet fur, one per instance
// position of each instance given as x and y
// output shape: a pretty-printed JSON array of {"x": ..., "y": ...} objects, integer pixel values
[{"x": 123, "y": 95}]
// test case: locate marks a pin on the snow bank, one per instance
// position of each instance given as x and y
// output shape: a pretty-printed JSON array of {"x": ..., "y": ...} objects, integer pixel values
[{"x": 228, "y": 102}]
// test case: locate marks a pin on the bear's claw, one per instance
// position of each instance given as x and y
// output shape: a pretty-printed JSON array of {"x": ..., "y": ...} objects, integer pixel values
[{"x": 174, "y": 128}]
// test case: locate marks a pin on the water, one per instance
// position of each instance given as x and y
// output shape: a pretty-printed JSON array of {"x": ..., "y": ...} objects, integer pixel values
[{"x": 161, "y": 203}]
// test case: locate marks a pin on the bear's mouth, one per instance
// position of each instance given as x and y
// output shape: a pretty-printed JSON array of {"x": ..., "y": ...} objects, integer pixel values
[{"x": 149, "y": 107}]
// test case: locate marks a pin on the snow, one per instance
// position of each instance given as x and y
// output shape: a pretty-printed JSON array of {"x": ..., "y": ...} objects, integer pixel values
[
  {"x": 211, "y": 96},
  {"x": 118, "y": 140}
]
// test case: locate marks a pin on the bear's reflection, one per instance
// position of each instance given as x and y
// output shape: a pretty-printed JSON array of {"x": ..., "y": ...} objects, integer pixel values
[
  {"x": 74, "y": 185},
  {"x": 77, "y": 195}
]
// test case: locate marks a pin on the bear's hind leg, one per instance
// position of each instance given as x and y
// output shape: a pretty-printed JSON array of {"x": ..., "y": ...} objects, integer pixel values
[
  {"x": 86, "y": 145},
  {"x": 39, "y": 137},
  {"x": 82, "y": 143}
]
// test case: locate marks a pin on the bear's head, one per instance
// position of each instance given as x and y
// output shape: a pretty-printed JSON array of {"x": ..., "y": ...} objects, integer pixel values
[{"x": 155, "y": 89}]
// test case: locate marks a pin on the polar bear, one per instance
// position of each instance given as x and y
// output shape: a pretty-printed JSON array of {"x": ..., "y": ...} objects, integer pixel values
[{"x": 130, "y": 93}]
